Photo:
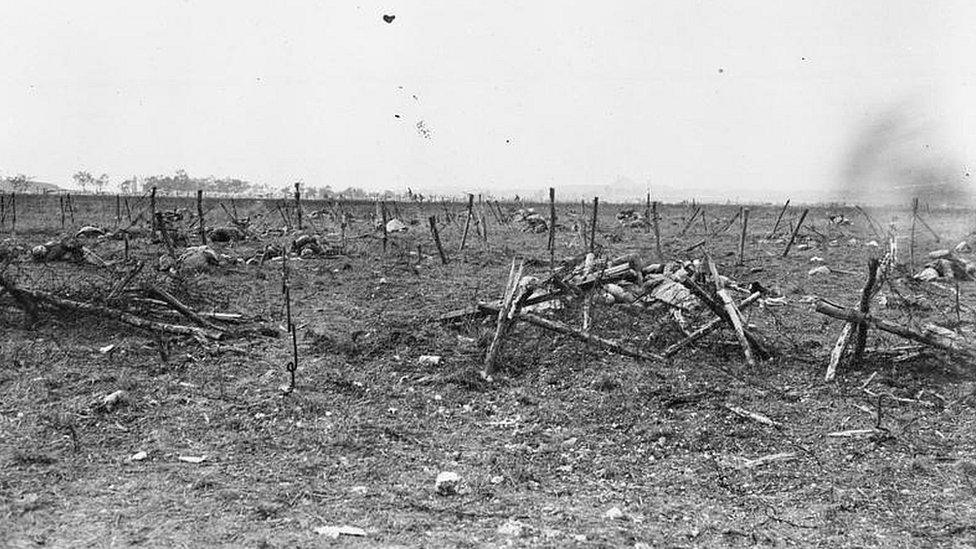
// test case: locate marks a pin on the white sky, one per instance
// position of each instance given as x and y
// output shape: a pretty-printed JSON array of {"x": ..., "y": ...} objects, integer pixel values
[{"x": 584, "y": 92}]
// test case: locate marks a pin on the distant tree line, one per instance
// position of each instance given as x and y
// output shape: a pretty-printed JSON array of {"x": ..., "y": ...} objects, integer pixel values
[{"x": 181, "y": 182}]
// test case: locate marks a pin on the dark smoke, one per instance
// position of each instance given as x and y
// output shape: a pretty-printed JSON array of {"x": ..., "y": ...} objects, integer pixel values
[{"x": 899, "y": 155}]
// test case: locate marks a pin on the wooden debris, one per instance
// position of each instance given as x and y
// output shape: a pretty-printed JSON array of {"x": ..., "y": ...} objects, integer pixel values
[{"x": 956, "y": 345}]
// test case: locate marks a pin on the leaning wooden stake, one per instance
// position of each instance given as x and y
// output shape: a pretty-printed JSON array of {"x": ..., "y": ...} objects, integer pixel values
[
  {"x": 728, "y": 223},
  {"x": 779, "y": 218},
  {"x": 432, "y": 220},
  {"x": 467, "y": 223},
  {"x": 691, "y": 220},
  {"x": 509, "y": 309},
  {"x": 796, "y": 231},
  {"x": 871, "y": 224},
  {"x": 707, "y": 328},
  {"x": 733, "y": 313},
  {"x": 551, "y": 245},
  {"x": 858, "y": 331},
  {"x": 929, "y": 229}
]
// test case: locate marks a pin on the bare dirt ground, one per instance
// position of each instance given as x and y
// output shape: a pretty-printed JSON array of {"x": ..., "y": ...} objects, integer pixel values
[{"x": 570, "y": 446}]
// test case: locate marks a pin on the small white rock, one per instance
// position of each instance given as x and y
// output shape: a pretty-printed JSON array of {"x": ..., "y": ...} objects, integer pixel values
[
  {"x": 447, "y": 483},
  {"x": 816, "y": 259},
  {"x": 138, "y": 456},
  {"x": 816, "y": 271},
  {"x": 613, "y": 513},
  {"x": 511, "y": 528},
  {"x": 429, "y": 360}
]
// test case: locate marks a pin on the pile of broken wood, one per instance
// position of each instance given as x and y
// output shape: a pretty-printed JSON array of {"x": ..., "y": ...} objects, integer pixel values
[
  {"x": 683, "y": 290},
  {"x": 146, "y": 306},
  {"x": 674, "y": 288}
]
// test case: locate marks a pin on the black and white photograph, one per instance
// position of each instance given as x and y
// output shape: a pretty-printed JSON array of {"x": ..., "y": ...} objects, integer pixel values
[{"x": 320, "y": 273}]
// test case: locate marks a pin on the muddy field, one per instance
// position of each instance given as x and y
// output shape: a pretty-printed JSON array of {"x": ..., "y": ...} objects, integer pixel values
[{"x": 567, "y": 446}]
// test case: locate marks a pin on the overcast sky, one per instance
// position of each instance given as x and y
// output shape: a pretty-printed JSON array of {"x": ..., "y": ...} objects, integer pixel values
[{"x": 753, "y": 99}]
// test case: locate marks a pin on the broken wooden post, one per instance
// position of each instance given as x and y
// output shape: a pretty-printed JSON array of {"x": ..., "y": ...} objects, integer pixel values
[
  {"x": 647, "y": 213},
  {"x": 467, "y": 223},
  {"x": 298, "y": 204},
  {"x": 202, "y": 228},
  {"x": 13, "y": 213},
  {"x": 704, "y": 220},
  {"x": 911, "y": 244},
  {"x": 152, "y": 212},
  {"x": 432, "y": 220},
  {"x": 657, "y": 232},
  {"x": 733, "y": 313},
  {"x": 779, "y": 218},
  {"x": 118, "y": 210},
  {"x": 511, "y": 304},
  {"x": 742, "y": 237},
  {"x": 796, "y": 231},
  {"x": 61, "y": 206},
  {"x": 858, "y": 331},
  {"x": 551, "y": 243},
  {"x": 596, "y": 204},
  {"x": 383, "y": 220}
]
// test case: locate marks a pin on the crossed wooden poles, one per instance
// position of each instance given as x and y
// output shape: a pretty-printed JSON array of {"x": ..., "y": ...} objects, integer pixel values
[
  {"x": 519, "y": 293},
  {"x": 858, "y": 321}
]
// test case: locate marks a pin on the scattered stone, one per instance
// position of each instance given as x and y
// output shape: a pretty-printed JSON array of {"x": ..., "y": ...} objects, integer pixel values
[
  {"x": 613, "y": 513},
  {"x": 927, "y": 274},
  {"x": 113, "y": 400},
  {"x": 199, "y": 258},
  {"x": 447, "y": 483},
  {"x": 429, "y": 360},
  {"x": 89, "y": 231},
  {"x": 940, "y": 254},
  {"x": 138, "y": 456},
  {"x": 334, "y": 532},
  {"x": 817, "y": 271},
  {"x": 963, "y": 248},
  {"x": 192, "y": 459},
  {"x": 816, "y": 259},
  {"x": 872, "y": 244},
  {"x": 512, "y": 528},
  {"x": 396, "y": 226}
]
